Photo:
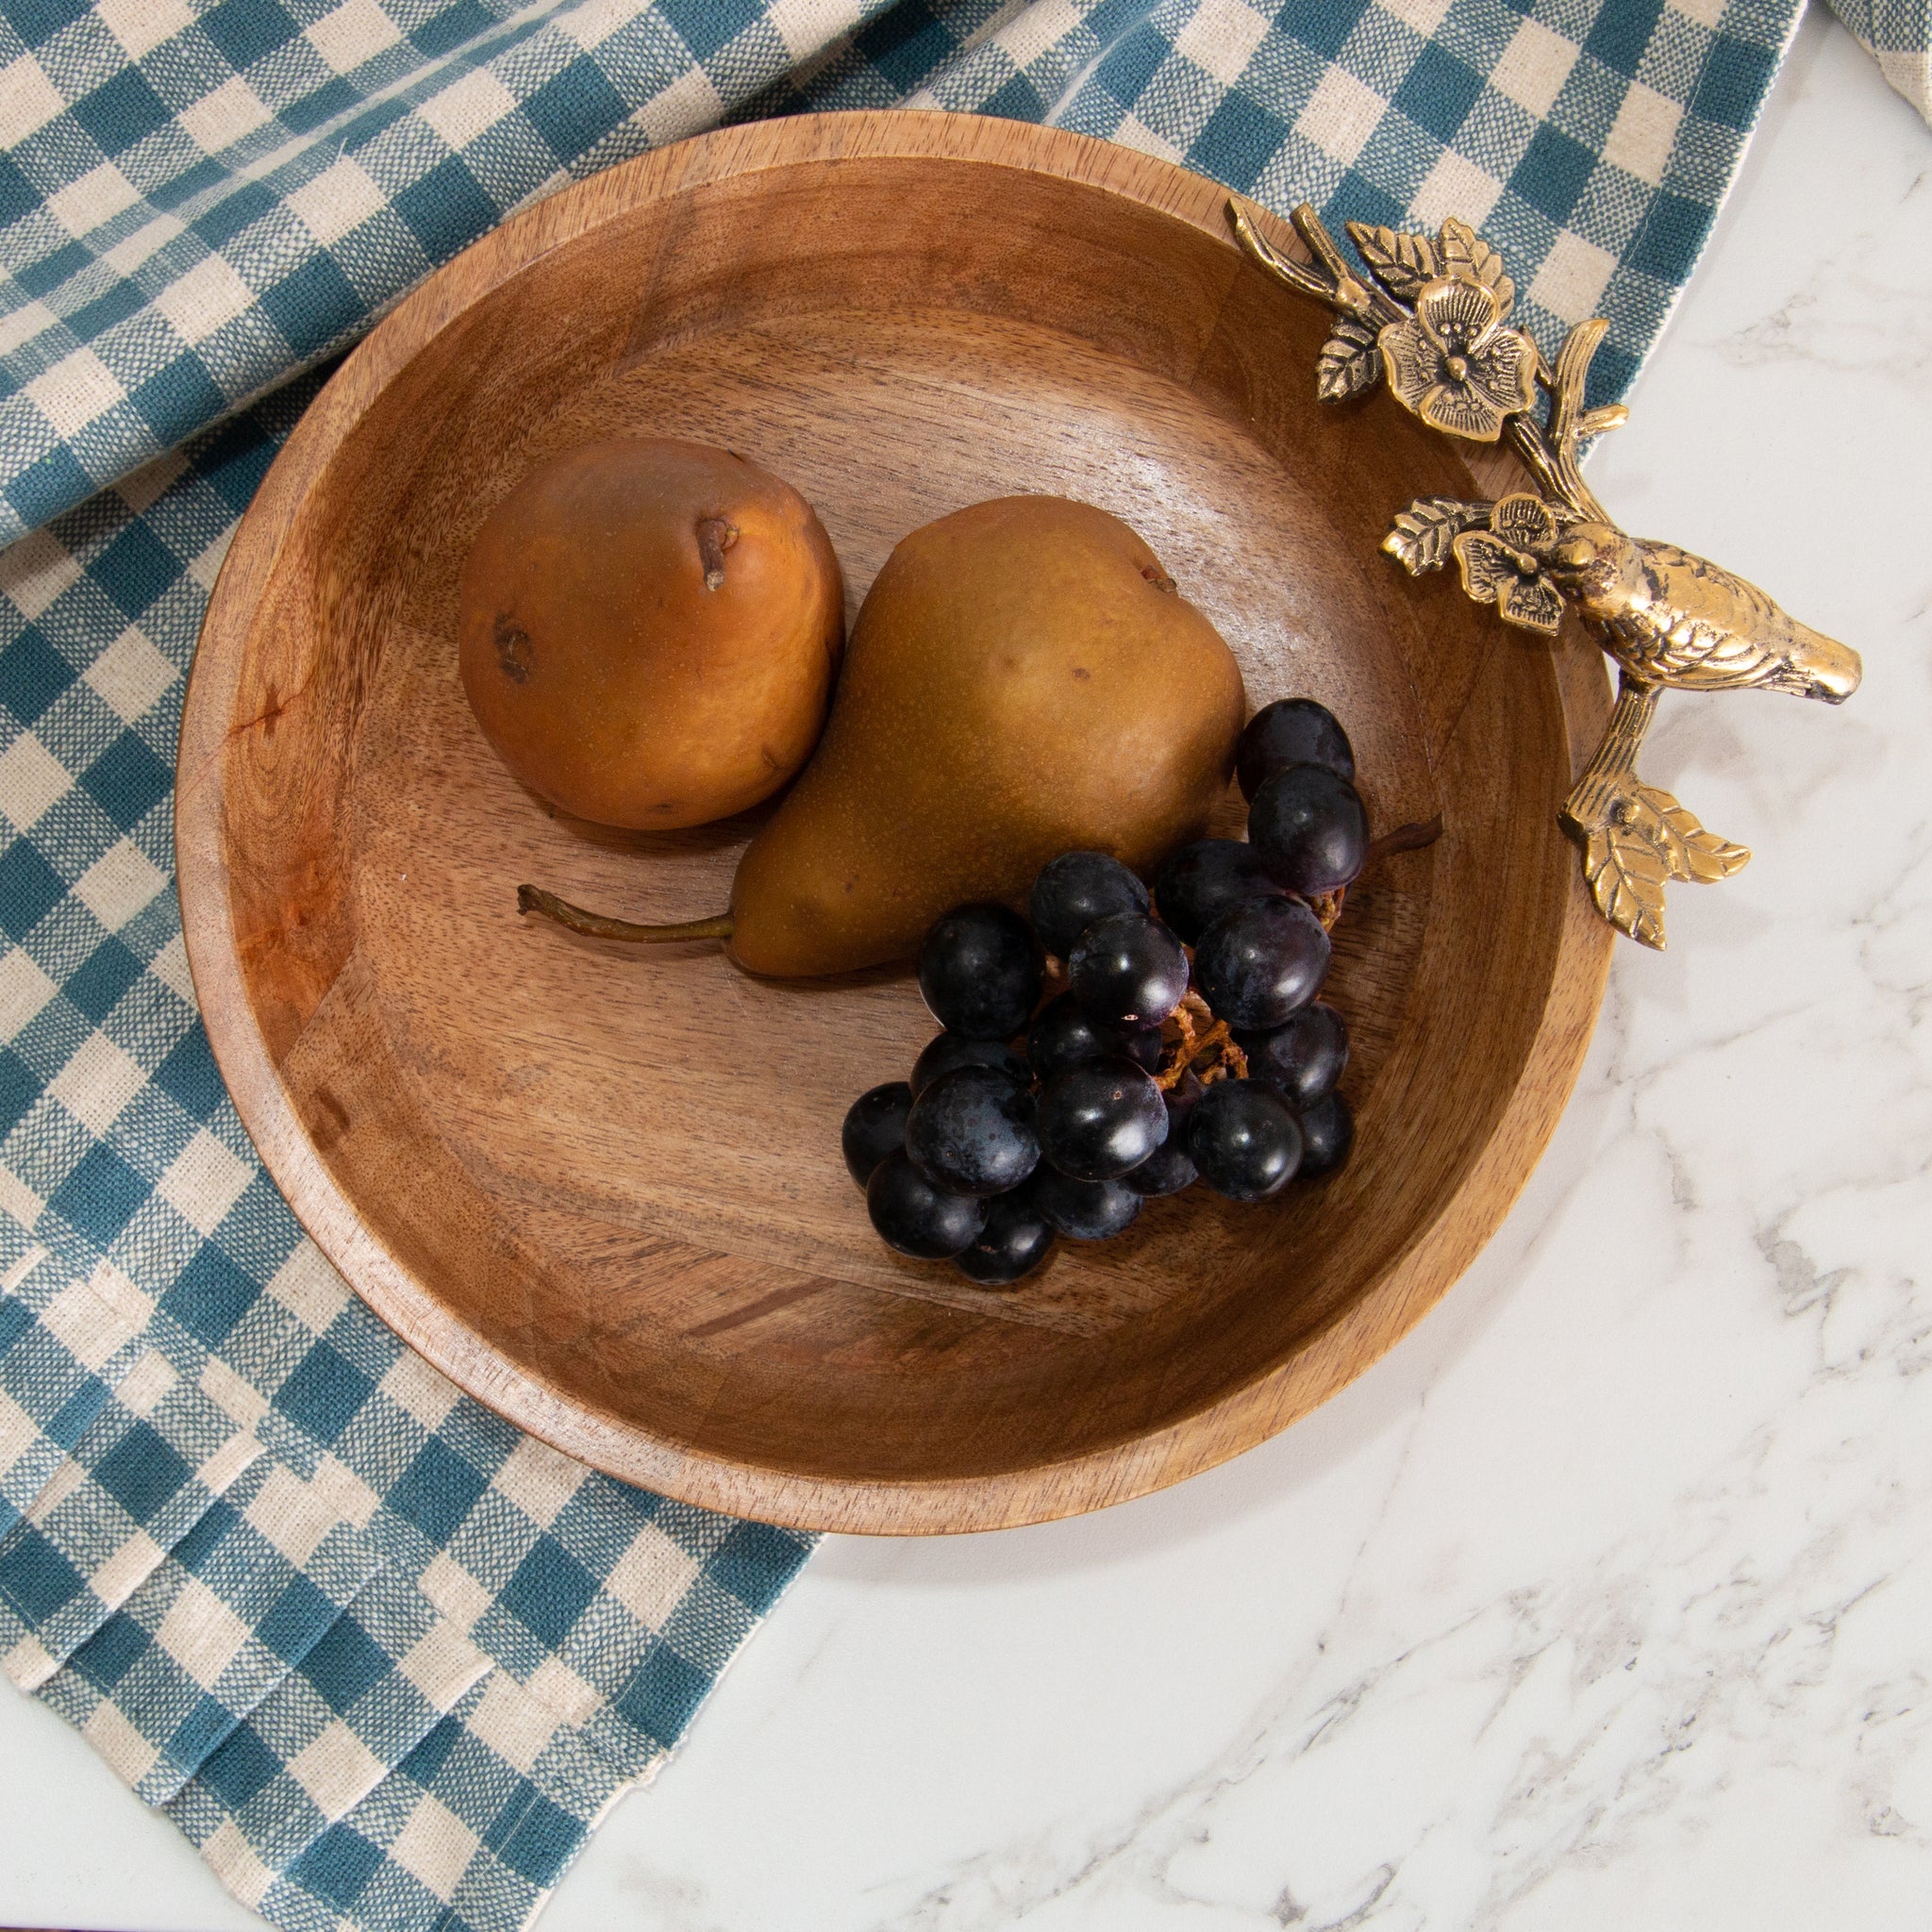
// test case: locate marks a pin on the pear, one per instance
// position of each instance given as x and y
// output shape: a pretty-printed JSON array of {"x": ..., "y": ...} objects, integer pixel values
[
  {"x": 648, "y": 631},
  {"x": 1024, "y": 679}
]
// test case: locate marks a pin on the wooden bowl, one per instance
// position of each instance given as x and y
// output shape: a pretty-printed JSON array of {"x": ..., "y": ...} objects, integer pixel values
[{"x": 602, "y": 1188}]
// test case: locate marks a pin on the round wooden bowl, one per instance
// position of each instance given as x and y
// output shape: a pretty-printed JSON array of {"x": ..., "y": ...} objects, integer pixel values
[{"x": 601, "y": 1189}]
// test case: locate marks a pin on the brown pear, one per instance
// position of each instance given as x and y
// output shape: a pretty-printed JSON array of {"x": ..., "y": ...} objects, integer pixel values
[
  {"x": 1024, "y": 679},
  {"x": 648, "y": 631}
]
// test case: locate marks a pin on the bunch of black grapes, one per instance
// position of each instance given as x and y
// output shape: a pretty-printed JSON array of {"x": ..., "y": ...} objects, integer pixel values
[{"x": 1022, "y": 1121}]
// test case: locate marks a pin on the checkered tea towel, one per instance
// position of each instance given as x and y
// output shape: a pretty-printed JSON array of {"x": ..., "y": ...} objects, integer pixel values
[
  {"x": 1898, "y": 34},
  {"x": 198, "y": 197},
  {"x": 383, "y": 1658}
]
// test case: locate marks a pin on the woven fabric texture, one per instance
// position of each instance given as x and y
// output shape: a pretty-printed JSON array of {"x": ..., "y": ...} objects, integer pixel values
[
  {"x": 382, "y": 1657},
  {"x": 1898, "y": 34},
  {"x": 384, "y": 1660},
  {"x": 196, "y": 198}
]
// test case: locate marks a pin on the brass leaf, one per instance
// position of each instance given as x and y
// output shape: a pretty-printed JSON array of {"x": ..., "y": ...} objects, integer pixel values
[
  {"x": 1350, "y": 361},
  {"x": 1626, "y": 873},
  {"x": 1691, "y": 852},
  {"x": 1647, "y": 838},
  {"x": 1422, "y": 534},
  {"x": 1402, "y": 263},
  {"x": 1466, "y": 254}
]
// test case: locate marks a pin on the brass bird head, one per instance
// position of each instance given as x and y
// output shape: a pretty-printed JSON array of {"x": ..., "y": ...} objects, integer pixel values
[{"x": 1593, "y": 563}]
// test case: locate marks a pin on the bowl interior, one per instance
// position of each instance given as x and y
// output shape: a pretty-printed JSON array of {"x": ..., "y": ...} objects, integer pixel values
[{"x": 619, "y": 1173}]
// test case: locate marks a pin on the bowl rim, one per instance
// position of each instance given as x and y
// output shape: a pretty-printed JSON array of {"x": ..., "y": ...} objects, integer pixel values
[{"x": 1333, "y": 1355}]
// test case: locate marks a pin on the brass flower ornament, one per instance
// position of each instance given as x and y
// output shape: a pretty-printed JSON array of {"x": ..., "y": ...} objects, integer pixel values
[
  {"x": 1505, "y": 564},
  {"x": 1455, "y": 365},
  {"x": 1433, "y": 318}
]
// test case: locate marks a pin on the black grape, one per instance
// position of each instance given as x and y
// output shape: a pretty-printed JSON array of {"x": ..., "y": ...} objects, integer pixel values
[
  {"x": 1129, "y": 970},
  {"x": 874, "y": 1128},
  {"x": 1259, "y": 963},
  {"x": 1077, "y": 889},
  {"x": 979, "y": 971},
  {"x": 1207, "y": 878},
  {"x": 917, "y": 1218},
  {"x": 1302, "y": 1057},
  {"x": 1327, "y": 1134},
  {"x": 1291, "y": 731},
  {"x": 1083, "y": 1210},
  {"x": 1310, "y": 829},
  {"x": 970, "y": 1132},
  {"x": 1065, "y": 1035},
  {"x": 1016, "y": 1239},
  {"x": 1101, "y": 1119},
  {"x": 1170, "y": 1167},
  {"x": 1245, "y": 1141},
  {"x": 945, "y": 1051}
]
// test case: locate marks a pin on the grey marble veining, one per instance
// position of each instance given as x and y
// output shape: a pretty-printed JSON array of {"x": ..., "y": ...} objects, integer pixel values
[{"x": 1605, "y": 1601}]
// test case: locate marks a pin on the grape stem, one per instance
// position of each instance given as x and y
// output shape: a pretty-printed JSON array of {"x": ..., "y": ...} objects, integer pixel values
[
  {"x": 1191, "y": 1047},
  {"x": 597, "y": 926},
  {"x": 1410, "y": 838},
  {"x": 1326, "y": 907}
]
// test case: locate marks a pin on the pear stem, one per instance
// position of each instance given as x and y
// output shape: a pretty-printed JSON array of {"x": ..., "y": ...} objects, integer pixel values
[{"x": 597, "y": 926}]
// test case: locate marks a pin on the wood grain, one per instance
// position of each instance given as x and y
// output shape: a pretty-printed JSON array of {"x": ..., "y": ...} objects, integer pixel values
[{"x": 603, "y": 1192}]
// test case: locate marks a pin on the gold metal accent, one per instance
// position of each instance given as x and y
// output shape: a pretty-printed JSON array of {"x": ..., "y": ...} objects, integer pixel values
[{"x": 1433, "y": 320}]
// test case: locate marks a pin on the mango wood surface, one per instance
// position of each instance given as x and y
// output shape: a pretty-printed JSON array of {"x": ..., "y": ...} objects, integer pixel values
[{"x": 602, "y": 1189}]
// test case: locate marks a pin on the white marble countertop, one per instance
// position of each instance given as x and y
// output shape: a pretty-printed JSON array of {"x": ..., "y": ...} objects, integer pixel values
[{"x": 1606, "y": 1600}]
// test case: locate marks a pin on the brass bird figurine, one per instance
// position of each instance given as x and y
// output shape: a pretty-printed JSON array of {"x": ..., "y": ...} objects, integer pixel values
[
  {"x": 1669, "y": 618},
  {"x": 1431, "y": 319}
]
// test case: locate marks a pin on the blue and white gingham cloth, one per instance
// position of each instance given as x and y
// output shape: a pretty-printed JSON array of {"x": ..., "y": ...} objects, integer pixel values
[
  {"x": 197, "y": 199},
  {"x": 385, "y": 1659},
  {"x": 1898, "y": 34}
]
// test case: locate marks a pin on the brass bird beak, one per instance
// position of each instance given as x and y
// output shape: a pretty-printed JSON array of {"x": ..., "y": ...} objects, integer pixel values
[{"x": 1835, "y": 671}]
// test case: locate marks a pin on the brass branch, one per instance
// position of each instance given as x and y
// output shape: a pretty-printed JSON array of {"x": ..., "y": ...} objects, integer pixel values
[
  {"x": 1550, "y": 449},
  {"x": 1332, "y": 281}
]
